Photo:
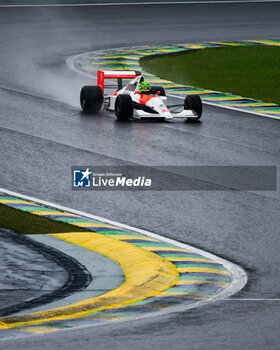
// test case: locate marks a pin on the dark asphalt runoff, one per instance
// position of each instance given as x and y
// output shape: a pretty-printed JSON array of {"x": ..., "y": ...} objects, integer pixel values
[
  {"x": 44, "y": 134},
  {"x": 22, "y": 281}
]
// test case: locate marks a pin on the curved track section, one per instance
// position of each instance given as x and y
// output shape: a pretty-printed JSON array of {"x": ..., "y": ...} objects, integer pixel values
[
  {"x": 43, "y": 134},
  {"x": 159, "y": 275}
]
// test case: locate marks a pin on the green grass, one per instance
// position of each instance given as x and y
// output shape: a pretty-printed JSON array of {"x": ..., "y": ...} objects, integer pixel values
[
  {"x": 252, "y": 71},
  {"x": 23, "y": 222}
]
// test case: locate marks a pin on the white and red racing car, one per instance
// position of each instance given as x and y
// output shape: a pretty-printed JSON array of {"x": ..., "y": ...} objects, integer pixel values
[{"x": 128, "y": 101}]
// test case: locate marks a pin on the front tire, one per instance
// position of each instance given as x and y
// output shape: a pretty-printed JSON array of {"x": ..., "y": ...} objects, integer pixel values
[
  {"x": 194, "y": 103},
  {"x": 91, "y": 99},
  {"x": 124, "y": 107}
]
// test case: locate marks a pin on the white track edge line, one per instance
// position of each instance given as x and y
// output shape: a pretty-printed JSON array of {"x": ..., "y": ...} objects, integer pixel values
[
  {"x": 239, "y": 276},
  {"x": 236, "y": 271},
  {"x": 230, "y": 108},
  {"x": 137, "y": 3}
]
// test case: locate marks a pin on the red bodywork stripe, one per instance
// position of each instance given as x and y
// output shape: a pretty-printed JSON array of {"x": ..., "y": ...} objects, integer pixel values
[
  {"x": 145, "y": 98},
  {"x": 100, "y": 79}
]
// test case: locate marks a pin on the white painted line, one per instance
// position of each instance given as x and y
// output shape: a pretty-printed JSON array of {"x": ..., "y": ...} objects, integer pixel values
[
  {"x": 239, "y": 276},
  {"x": 231, "y": 108},
  {"x": 137, "y": 3}
]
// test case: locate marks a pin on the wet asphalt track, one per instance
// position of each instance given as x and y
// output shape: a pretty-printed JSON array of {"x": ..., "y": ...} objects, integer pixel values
[{"x": 43, "y": 134}]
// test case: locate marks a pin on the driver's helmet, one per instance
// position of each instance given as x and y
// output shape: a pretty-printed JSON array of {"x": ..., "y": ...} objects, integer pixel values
[{"x": 144, "y": 87}]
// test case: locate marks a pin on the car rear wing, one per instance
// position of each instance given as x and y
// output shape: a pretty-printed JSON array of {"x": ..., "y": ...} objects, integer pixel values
[{"x": 115, "y": 74}]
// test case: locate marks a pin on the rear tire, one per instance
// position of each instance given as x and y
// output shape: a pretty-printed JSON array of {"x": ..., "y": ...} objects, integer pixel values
[
  {"x": 124, "y": 107},
  {"x": 194, "y": 103},
  {"x": 91, "y": 99},
  {"x": 155, "y": 89}
]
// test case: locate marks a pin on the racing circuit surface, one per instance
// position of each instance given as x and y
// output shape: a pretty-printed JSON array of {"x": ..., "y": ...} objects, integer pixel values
[{"x": 44, "y": 134}]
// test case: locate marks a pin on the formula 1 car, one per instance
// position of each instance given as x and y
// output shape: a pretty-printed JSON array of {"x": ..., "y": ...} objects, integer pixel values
[{"x": 128, "y": 101}]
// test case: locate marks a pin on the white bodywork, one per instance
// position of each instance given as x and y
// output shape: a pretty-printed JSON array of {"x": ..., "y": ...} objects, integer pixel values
[{"x": 154, "y": 102}]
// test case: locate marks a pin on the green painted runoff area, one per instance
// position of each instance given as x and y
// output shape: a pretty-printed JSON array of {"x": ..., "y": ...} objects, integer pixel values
[{"x": 252, "y": 71}]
